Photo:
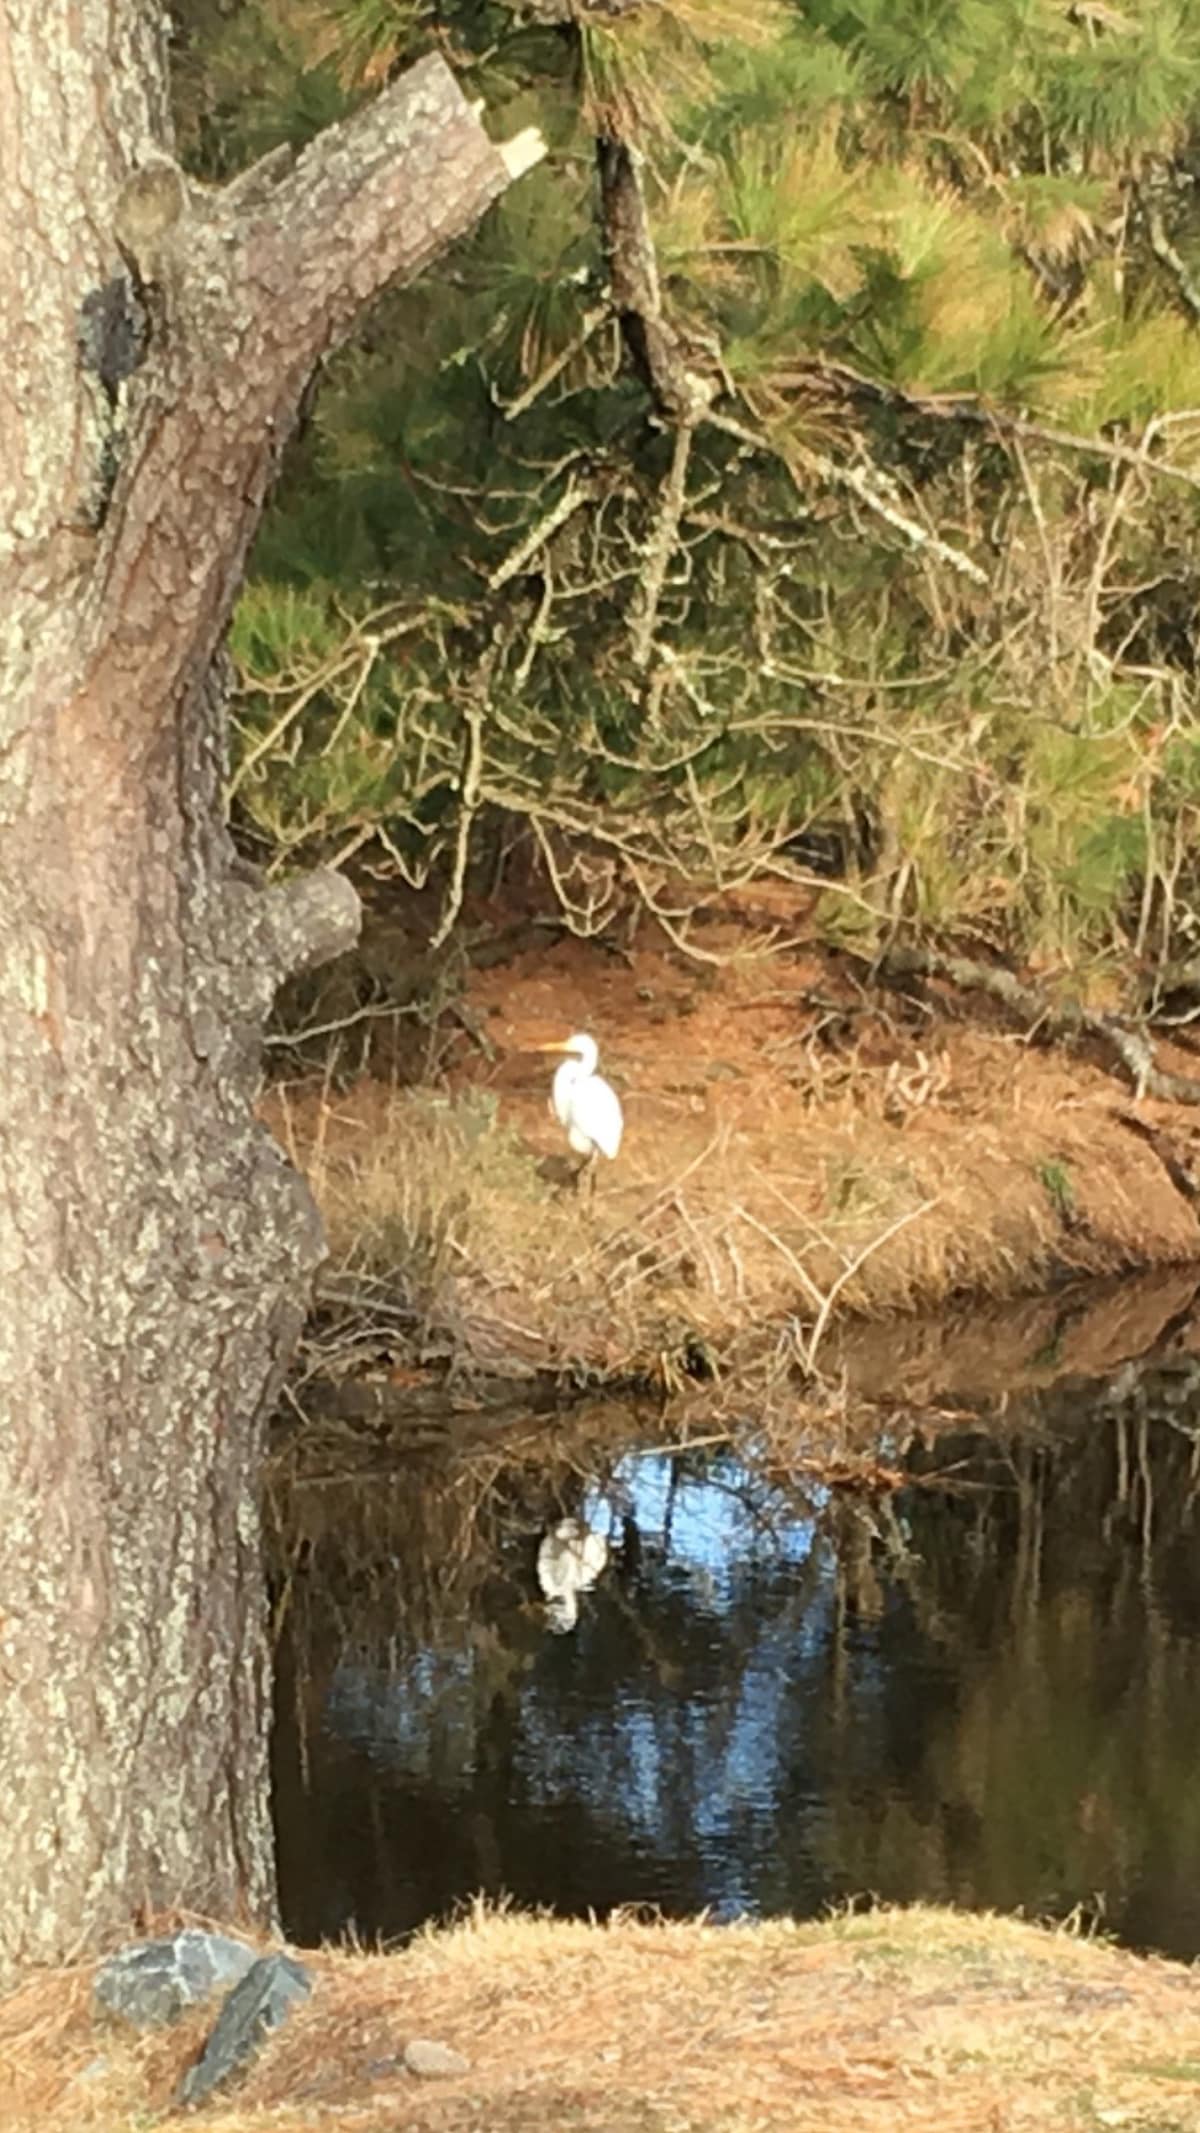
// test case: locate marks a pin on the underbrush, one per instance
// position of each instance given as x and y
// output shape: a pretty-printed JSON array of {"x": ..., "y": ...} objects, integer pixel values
[
  {"x": 440, "y": 1198},
  {"x": 739, "y": 1221},
  {"x": 409, "y": 1182}
]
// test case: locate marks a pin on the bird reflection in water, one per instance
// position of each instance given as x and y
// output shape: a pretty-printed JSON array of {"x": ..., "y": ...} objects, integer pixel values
[{"x": 569, "y": 1560}]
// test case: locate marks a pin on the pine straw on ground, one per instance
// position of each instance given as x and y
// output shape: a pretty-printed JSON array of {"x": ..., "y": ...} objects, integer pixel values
[
  {"x": 913, "y": 2021},
  {"x": 780, "y": 1163}
]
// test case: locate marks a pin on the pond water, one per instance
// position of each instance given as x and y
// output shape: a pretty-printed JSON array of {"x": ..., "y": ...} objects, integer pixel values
[{"x": 978, "y": 1683}]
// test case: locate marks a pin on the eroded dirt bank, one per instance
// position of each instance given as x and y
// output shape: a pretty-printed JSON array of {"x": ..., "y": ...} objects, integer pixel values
[{"x": 797, "y": 1148}]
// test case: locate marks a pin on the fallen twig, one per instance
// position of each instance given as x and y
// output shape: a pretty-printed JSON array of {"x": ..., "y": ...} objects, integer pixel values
[{"x": 807, "y": 1350}]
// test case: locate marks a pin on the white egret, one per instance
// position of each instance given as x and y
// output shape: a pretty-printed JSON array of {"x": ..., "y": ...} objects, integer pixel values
[
  {"x": 586, "y": 1107},
  {"x": 569, "y": 1560}
]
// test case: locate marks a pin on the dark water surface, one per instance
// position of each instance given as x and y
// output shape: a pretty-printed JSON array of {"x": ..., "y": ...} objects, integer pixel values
[{"x": 980, "y": 1687}]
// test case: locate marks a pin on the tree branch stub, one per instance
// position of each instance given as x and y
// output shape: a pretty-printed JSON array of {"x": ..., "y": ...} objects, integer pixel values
[
  {"x": 260, "y": 280},
  {"x": 369, "y": 202}
]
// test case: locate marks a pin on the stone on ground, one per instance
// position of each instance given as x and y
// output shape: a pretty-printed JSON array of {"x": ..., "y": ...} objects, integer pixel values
[
  {"x": 433, "y": 2061},
  {"x": 151, "y": 1983},
  {"x": 253, "y": 2009}
]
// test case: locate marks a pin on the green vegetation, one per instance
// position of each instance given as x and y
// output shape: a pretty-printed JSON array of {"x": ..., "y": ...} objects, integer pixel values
[
  {"x": 874, "y": 547},
  {"x": 1055, "y": 1180}
]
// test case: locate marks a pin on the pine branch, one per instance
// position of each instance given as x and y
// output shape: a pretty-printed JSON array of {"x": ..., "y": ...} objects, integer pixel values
[
  {"x": 660, "y": 547},
  {"x": 554, "y": 369},
  {"x": 680, "y": 393},
  {"x": 370, "y": 201},
  {"x": 686, "y": 397},
  {"x": 573, "y": 498},
  {"x": 871, "y": 487},
  {"x": 969, "y": 408},
  {"x": 1131, "y": 1047},
  {"x": 1164, "y": 251}
]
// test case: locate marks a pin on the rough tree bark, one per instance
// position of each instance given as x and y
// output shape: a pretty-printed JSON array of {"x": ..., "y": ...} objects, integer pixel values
[{"x": 155, "y": 339}]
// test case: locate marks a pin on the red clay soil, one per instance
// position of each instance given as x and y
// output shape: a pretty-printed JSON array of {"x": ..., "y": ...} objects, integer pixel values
[
  {"x": 774, "y": 1056},
  {"x": 796, "y": 1146}
]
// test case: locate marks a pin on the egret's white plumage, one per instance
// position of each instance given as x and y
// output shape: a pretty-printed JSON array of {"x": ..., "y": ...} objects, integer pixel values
[{"x": 586, "y": 1107}]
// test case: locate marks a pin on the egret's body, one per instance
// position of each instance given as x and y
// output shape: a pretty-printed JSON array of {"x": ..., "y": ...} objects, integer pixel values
[{"x": 587, "y": 1108}]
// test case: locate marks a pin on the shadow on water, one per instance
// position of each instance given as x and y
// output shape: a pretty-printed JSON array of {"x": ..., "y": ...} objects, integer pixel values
[{"x": 973, "y": 1677}]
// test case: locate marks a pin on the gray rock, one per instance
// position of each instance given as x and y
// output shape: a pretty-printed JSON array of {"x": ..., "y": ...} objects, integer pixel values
[
  {"x": 153, "y": 1982},
  {"x": 255, "y": 2007},
  {"x": 433, "y": 2061}
]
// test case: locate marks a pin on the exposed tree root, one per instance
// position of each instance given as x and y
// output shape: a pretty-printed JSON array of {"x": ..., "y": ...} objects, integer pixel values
[{"x": 1131, "y": 1047}]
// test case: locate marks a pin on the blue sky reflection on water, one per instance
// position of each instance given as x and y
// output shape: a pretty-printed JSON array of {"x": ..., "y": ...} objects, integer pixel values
[
  {"x": 712, "y": 1524},
  {"x": 987, "y": 1694},
  {"x": 715, "y": 1537},
  {"x": 645, "y": 1724}
]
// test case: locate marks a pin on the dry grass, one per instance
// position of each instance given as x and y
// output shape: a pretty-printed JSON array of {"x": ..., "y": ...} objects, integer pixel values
[
  {"x": 912, "y": 2021},
  {"x": 769, "y": 1177},
  {"x": 444, "y": 1197}
]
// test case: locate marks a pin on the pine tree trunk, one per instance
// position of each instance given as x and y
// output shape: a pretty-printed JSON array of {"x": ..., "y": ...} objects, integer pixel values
[{"x": 155, "y": 338}]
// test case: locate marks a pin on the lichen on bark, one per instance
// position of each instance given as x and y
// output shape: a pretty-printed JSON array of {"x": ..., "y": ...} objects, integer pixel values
[{"x": 155, "y": 1246}]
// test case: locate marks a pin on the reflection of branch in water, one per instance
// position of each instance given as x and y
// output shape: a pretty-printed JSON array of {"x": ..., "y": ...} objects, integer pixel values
[
  {"x": 1028, "y": 1469},
  {"x": 927, "y": 1695},
  {"x": 1147, "y": 1500}
]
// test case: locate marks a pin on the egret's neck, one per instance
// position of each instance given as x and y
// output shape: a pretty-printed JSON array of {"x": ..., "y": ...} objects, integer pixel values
[{"x": 585, "y": 1054}]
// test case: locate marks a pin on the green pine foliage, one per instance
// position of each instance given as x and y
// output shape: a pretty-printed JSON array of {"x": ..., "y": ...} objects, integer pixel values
[{"x": 930, "y": 589}]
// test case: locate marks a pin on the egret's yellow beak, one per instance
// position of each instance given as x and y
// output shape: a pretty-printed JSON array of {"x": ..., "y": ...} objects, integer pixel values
[{"x": 550, "y": 1047}]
